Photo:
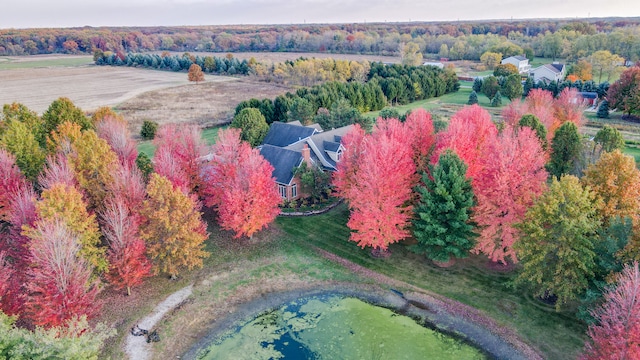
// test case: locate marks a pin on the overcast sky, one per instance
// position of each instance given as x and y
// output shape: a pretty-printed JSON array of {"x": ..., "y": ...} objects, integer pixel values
[{"x": 68, "y": 13}]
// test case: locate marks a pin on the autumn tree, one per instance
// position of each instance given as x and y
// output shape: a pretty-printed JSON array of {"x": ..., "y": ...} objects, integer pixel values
[
  {"x": 183, "y": 146},
  {"x": 240, "y": 186},
  {"x": 62, "y": 138},
  {"x": 422, "y": 139},
  {"x": 556, "y": 248},
  {"x": 490, "y": 59},
  {"x": 505, "y": 70},
  {"x": 410, "y": 54},
  {"x": 60, "y": 286},
  {"x": 605, "y": 63},
  {"x": 568, "y": 107},
  {"x": 378, "y": 191},
  {"x": 104, "y": 113},
  {"x": 512, "y": 179},
  {"x": 128, "y": 263},
  {"x": 65, "y": 204},
  {"x": 442, "y": 223},
  {"x": 616, "y": 181},
  {"x": 92, "y": 161},
  {"x": 11, "y": 180},
  {"x": 21, "y": 141},
  {"x": 57, "y": 171},
  {"x": 115, "y": 132},
  {"x": 469, "y": 135},
  {"x": 582, "y": 69},
  {"x": 624, "y": 94},
  {"x": 173, "y": 230},
  {"x": 565, "y": 150},
  {"x": 195, "y": 73},
  {"x": 616, "y": 333},
  {"x": 252, "y": 124},
  {"x": 62, "y": 110}
]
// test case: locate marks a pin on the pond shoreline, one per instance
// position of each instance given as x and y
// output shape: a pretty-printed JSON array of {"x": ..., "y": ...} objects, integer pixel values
[{"x": 425, "y": 310}]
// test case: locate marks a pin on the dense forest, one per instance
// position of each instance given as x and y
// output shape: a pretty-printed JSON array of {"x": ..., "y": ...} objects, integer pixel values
[{"x": 566, "y": 38}]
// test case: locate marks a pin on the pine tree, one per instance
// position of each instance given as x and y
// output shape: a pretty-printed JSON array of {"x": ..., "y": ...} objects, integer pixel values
[
  {"x": 473, "y": 98},
  {"x": 565, "y": 150},
  {"x": 603, "y": 110},
  {"x": 477, "y": 85},
  {"x": 534, "y": 123},
  {"x": 442, "y": 226},
  {"x": 497, "y": 100}
]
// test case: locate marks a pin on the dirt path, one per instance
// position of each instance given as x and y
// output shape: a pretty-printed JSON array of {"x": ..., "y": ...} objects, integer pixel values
[{"x": 137, "y": 347}]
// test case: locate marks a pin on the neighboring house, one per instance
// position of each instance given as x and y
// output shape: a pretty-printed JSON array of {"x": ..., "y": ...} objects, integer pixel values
[
  {"x": 588, "y": 98},
  {"x": 520, "y": 62},
  {"x": 288, "y": 145},
  {"x": 549, "y": 72},
  {"x": 434, "y": 63}
]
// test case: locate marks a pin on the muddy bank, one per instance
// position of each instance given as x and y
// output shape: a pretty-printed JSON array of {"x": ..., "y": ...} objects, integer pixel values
[{"x": 426, "y": 310}]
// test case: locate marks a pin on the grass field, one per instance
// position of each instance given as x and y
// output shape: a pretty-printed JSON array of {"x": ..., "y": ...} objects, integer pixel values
[
  {"x": 470, "y": 281},
  {"x": 209, "y": 135},
  {"x": 7, "y": 63}
]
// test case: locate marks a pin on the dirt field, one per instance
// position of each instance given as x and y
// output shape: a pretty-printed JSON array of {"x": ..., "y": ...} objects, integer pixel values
[
  {"x": 89, "y": 87},
  {"x": 282, "y": 56},
  {"x": 207, "y": 104}
]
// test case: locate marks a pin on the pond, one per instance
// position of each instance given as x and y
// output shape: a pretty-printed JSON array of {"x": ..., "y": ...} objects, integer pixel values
[{"x": 335, "y": 327}]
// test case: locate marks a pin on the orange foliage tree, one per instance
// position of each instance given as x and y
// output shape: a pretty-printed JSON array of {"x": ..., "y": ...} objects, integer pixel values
[
  {"x": 240, "y": 185},
  {"x": 173, "y": 229},
  {"x": 195, "y": 73}
]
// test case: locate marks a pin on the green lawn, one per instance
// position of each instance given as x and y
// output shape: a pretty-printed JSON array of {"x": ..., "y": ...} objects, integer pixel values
[
  {"x": 209, "y": 135},
  {"x": 8, "y": 63},
  {"x": 460, "y": 97},
  {"x": 558, "y": 335},
  {"x": 633, "y": 151}
]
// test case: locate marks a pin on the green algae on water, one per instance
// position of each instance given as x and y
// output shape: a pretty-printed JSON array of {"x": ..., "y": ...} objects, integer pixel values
[{"x": 333, "y": 327}]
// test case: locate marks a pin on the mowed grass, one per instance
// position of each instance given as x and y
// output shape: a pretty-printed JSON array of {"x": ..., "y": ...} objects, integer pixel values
[
  {"x": 557, "y": 335},
  {"x": 8, "y": 63},
  {"x": 209, "y": 135},
  {"x": 460, "y": 97}
]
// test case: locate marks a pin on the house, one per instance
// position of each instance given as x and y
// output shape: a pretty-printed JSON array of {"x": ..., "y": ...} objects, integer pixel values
[
  {"x": 548, "y": 72},
  {"x": 589, "y": 98},
  {"x": 287, "y": 145},
  {"x": 520, "y": 62},
  {"x": 434, "y": 63}
]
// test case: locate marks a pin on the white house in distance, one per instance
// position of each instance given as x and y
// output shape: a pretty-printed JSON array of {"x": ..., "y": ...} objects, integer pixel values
[
  {"x": 549, "y": 72},
  {"x": 520, "y": 62}
]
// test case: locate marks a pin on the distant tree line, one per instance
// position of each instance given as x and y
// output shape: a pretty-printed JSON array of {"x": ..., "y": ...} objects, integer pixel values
[
  {"x": 572, "y": 39},
  {"x": 209, "y": 64},
  {"x": 385, "y": 83}
]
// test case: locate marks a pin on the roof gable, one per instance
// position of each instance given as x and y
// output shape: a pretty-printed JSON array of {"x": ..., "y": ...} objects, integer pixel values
[
  {"x": 284, "y": 134},
  {"x": 283, "y": 162}
]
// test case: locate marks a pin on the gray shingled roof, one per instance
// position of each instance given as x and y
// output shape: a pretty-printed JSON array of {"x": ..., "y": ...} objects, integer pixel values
[
  {"x": 331, "y": 146},
  {"x": 283, "y": 162},
  {"x": 283, "y": 134},
  {"x": 321, "y": 140},
  {"x": 520, "y": 57}
]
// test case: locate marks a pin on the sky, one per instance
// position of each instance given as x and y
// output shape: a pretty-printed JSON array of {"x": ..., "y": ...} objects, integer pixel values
[{"x": 75, "y": 13}]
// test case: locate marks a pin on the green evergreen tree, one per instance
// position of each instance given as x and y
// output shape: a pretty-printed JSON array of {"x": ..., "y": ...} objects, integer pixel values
[
  {"x": 497, "y": 100},
  {"x": 565, "y": 150},
  {"x": 442, "y": 226},
  {"x": 490, "y": 86},
  {"x": 59, "y": 111},
  {"x": 477, "y": 85},
  {"x": 252, "y": 124},
  {"x": 533, "y": 122},
  {"x": 603, "y": 110},
  {"x": 148, "y": 130},
  {"x": 473, "y": 98},
  {"x": 145, "y": 165},
  {"x": 512, "y": 87},
  {"x": 528, "y": 86}
]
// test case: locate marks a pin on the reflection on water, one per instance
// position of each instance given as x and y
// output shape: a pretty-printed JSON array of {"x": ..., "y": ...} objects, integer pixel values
[{"x": 334, "y": 327}]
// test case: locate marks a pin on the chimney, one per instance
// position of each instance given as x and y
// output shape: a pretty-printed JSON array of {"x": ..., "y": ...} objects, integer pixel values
[{"x": 306, "y": 154}]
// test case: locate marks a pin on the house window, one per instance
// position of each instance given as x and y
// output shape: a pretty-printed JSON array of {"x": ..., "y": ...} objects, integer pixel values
[
  {"x": 339, "y": 156},
  {"x": 294, "y": 191},
  {"x": 283, "y": 191}
]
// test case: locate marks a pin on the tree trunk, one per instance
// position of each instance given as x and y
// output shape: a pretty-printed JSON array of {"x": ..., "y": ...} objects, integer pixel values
[{"x": 128, "y": 291}]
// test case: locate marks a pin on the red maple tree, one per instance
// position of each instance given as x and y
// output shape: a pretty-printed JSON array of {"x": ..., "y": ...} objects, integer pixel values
[
  {"x": 11, "y": 179},
  {"x": 59, "y": 286},
  {"x": 180, "y": 146},
  {"x": 128, "y": 263},
  {"x": 419, "y": 126},
  {"x": 57, "y": 171},
  {"x": 240, "y": 185},
  {"x": 128, "y": 185},
  {"x": 512, "y": 178},
  {"x": 115, "y": 132},
  {"x": 470, "y": 134},
  {"x": 616, "y": 334},
  {"x": 377, "y": 181}
]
